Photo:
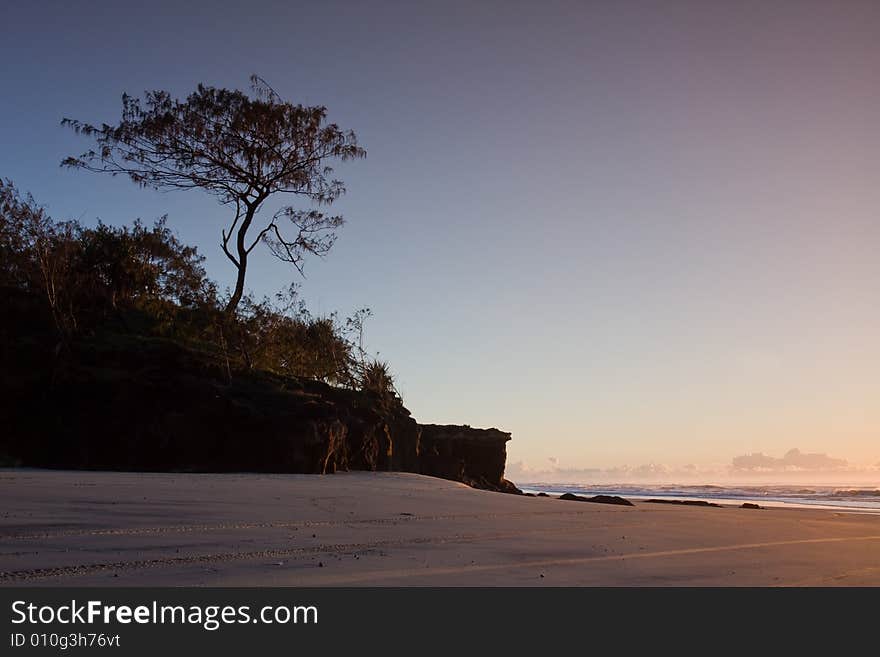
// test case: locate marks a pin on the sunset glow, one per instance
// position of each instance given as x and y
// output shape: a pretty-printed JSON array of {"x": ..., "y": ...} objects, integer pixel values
[{"x": 629, "y": 233}]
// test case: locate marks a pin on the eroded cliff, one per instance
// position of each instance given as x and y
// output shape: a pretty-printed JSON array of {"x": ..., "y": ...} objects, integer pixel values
[{"x": 145, "y": 404}]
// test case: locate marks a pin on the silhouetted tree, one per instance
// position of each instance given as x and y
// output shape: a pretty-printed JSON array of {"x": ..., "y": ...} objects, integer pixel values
[
  {"x": 89, "y": 275},
  {"x": 284, "y": 337},
  {"x": 143, "y": 262},
  {"x": 241, "y": 149},
  {"x": 37, "y": 254},
  {"x": 147, "y": 270}
]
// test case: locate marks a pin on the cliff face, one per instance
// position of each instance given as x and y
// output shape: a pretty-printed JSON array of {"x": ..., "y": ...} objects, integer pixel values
[
  {"x": 475, "y": 456},
  {"x": 137, "y": 404}
]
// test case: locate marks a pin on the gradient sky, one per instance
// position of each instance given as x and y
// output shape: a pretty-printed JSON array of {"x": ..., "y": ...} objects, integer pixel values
[{"x": 628, "y": 232}]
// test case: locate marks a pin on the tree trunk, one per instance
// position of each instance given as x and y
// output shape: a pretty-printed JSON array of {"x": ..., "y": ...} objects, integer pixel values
[
  {"x": 242, "y": 259},
  {"x": 239, "y": 288}
]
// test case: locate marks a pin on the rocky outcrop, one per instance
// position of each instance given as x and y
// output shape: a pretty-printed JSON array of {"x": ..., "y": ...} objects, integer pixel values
[
  {"x": 148, "y": 404},
  {"x": 597, "y": 499},
  {"x": 473, "y": 456},
  {"x": 684, "y": 502},
  {"x": 610, "y": 499}
]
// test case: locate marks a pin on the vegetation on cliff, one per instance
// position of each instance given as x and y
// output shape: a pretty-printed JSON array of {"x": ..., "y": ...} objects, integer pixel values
[{"x": 69, "y": 283}]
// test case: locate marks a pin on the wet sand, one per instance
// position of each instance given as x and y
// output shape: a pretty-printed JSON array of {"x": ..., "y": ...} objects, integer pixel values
[{"x": 131, "y": 529}]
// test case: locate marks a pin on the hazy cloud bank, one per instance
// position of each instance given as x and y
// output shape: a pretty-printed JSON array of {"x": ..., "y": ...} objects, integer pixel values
[
  {"x": 793, "y": 461},
  {"x": 519, "y": 471},
  {"x": 794, "y": 464}
]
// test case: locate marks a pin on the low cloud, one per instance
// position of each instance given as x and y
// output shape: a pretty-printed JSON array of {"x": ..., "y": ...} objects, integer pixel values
[
  {"x": 793, "y": 466},
  {"x": 553, "y": 472},
  {"x": 793, "y": 461}
]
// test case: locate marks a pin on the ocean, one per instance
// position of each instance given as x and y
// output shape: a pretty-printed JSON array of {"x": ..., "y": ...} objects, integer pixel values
[{"x": 855, "y": 499}]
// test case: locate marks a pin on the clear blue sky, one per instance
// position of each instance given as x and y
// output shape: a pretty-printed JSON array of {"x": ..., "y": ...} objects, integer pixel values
[{"x": 625, "y": 231}]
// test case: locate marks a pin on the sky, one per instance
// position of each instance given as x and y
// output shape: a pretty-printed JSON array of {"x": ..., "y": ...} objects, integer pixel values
[{"x": 627, "y": 232}]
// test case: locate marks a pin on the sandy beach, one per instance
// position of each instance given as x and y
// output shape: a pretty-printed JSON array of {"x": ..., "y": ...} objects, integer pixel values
[{"x": 389, "y": 529}]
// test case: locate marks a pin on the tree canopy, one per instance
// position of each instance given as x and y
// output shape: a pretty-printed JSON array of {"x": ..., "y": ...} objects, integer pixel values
[{"x": 240, "y": 148}]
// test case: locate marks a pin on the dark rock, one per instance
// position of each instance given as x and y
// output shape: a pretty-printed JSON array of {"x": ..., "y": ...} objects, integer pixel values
[
  {"x": 122, "y": 402},
  {"x": 543, "y": 495},
  {"x": 474, "y": 456},
  {"x": 750, "y": 505},
  {"x": 685, "y": 502},
  {"x": 598, "y": 499},
  {"x": 610, "y": 499}
]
